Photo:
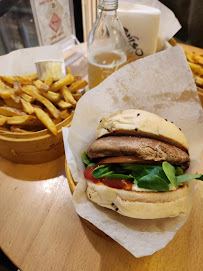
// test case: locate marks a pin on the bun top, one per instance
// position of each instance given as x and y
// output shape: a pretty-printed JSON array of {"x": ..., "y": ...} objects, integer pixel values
[{"x": 142, "y": 123}]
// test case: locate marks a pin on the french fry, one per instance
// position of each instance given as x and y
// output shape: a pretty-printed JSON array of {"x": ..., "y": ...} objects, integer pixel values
[
  {"x": 26, "y": 120},
  {"x": 52, "y": 96},
  {"x": 68, "y": 70},
  {"x": 5, "y": 94},
  {"x": 32, "y": 91},
  {"x": 32, "y": 76},
  {"x": 27, "y": 97},
  {"x": 64, "y": 105},
  {"x": 3, "y": 120},
  {"x": 68, "y": 96},
  {"x": 27, "y": 107},
  {"x": 189, "y": 56},
  {"x": 194, "y": 57},
  {"x": 64, "y": 114},
  {"x": 196, "y": 68},
  {"x": 49, "y": 81},
  {"x": 40, "y": 85},
  {"x": 4, "y": 129},
  {"x": 195, "y": 62},
  {"x": 9, "y": 111},
  {"x": 12, "y": 103},
  {"x": 77, "y": 78},
  {"x": 67, "y": 80},
  {"x": 77, "y": 85},
  {"x": 5, "y": 91},
  {"x": 198, "y": 59},
  {"x": 77, "y": 96},
  {"x": 199, "y": 81},
  {"x": 46, "y": 120},
  {"x": 5, "y": 87},
  {"x": 15, "y": 98},
  {"x": 2, "y": 84},
  {"x": 18, "y": 130},
  {"x": 17, "y": 87},
  {"x": 18, "y": 93},
  {"x": 23, "y": 81}
]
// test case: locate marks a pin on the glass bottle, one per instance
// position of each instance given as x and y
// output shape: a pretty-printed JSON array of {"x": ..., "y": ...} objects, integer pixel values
[{"x": 107, "y": 44}]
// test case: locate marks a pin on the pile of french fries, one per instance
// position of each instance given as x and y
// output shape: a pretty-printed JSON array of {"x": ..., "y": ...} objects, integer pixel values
[
  {"x": 28, "y": 104},
  {"x": 195, "y": 62}
]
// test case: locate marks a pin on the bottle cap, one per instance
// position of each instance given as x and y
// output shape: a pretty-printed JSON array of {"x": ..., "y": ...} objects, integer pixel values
[{"x": 108, "y": 4}]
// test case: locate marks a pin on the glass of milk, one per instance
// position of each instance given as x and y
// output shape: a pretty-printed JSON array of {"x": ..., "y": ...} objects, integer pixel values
[{"x": 141, "y": 25}]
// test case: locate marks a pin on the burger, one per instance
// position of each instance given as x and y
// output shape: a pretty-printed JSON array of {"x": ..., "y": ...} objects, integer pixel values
[{"x": 136, "y": 166}]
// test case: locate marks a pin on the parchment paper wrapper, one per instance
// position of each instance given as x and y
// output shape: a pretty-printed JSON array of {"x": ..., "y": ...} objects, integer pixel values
[
  {"x": 21, "y": 62},
  {"x": 169, "y": 24},
  {"x": 163, "y": 84}
]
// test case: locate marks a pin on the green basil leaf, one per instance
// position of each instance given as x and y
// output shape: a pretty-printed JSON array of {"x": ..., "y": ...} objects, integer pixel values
[
  {"x": 91, "y": 165},
  {"x": 179, "y": 171},
  {"x": 101, "y": 171},
  {"x": 107, "y": 174},
  {"x": 153, "y": 182},
  {"x": 188, "y": 177},
  {"x": 138, "y": 171},
  {"x": 120, "y": 176},
  {"x": 85, "y": 159},
  {"x": 159, "y": 172},
  {"x": 138, "y": 167},
  {"x": 170, "y": 173}
]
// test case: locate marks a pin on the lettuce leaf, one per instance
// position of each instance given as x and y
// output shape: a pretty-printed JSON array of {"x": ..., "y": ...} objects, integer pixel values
[
  {"x": 153, "y": 182},
  {"x": 138, "y": 171},
  {"x": 153, "y": 177},
  {"x": 187, "y": 177},
  {"x": 170, "y": 172},
  {"x": 102, "y": 171},
  {"x": 85, "y": 159},
  {"x": 120, "y": 176}
]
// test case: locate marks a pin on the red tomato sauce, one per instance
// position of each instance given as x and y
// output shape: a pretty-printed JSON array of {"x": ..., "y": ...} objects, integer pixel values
[{"x": 113, "y": 183}]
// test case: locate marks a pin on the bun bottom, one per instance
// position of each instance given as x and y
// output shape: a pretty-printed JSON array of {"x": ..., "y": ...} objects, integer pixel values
[{"x": 143, "y": 205}]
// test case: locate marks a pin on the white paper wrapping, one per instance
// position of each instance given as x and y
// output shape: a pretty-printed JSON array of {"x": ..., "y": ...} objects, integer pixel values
[
  {"x": 163, "y": 84},
  {"x": 21, "y": 62}
]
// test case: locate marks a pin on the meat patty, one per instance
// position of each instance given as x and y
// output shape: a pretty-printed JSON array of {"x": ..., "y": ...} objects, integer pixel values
[{"x": 142, "y": 147}]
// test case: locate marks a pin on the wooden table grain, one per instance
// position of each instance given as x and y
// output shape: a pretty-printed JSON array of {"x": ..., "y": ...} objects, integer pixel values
[{"x": 40, "y": 230}]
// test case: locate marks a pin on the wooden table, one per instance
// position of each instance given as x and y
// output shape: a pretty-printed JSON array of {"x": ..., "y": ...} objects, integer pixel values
[{"x": 40, "y": 230}]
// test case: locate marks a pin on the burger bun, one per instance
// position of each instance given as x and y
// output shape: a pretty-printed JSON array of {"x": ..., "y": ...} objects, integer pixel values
[{"x": 143, "y": 205}]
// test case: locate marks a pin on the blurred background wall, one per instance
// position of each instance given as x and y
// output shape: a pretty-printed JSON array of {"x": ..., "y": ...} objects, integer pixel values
[{"x": 190, "y": 16}]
